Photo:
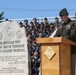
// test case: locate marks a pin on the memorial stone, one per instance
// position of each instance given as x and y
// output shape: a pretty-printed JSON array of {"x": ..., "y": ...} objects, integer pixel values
[{"x": 13, "y": 49}]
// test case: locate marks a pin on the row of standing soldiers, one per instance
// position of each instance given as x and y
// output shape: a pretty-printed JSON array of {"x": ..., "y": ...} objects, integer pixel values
[{"x": 37, "y": 30}]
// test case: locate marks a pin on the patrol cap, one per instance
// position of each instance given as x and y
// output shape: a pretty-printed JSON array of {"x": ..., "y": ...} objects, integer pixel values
[
  {"x": 56, "y": 17},
  {"x": 21, "y": 23},
  {"x": 45, "y": 18},
  {"x": 25, "y": 20},
  {"x": 34, "y": 18},
  {"x": 63, "y": 12}
]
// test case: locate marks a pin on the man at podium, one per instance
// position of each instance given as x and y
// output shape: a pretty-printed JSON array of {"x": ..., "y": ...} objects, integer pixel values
[{"x": 67, "y": 29}]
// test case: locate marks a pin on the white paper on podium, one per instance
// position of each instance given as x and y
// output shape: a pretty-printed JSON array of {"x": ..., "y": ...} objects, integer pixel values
[{"x": 53, "y": 34}]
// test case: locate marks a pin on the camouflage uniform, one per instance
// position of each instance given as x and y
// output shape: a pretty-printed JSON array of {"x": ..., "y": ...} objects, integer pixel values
[{"x": 68, "y": 30}]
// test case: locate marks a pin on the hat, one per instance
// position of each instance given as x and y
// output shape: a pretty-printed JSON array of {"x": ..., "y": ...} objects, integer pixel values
[
  {"x": 45, "y": 18},
  {"x": 31, "y": 22},
  {"x": 25, "y": 20},
  {"x": 51, "y": 23},
  {"x": 56, "y": 18},
  {"x": 34, "y": 18},
  {"x": 63, "y": 12},
  {"x": 21, "y": 23}
]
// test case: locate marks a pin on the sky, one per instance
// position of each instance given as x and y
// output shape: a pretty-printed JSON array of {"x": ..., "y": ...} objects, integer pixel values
[{"x": 18, "y": 9}]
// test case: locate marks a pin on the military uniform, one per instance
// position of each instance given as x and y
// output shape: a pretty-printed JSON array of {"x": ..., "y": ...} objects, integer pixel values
[
  {"x": 56, "y": 23},
  {"x": 68, "y": 30},
  {"x": 35, "y": 63}
]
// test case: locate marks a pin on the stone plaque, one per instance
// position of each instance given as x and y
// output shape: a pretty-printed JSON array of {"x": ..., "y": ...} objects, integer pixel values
[{"x": 13, "y": 49}]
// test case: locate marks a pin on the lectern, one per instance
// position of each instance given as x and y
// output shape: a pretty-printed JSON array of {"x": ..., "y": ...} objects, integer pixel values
[{"x": 55, "y": 55}]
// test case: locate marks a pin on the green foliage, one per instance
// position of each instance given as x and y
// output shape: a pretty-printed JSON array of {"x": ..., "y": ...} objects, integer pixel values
[
  {"x": 75, "y": 18},
  {"x": 1, "y": 16}
]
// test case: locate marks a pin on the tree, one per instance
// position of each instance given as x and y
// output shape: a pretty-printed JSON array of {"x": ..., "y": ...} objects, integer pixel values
[
  {"x": 75, "y": 17},
  {"x": 1, "y": 16}
]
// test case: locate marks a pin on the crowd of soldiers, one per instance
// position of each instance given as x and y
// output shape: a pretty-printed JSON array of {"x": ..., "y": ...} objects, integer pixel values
[{"x": 35, "y": 30}]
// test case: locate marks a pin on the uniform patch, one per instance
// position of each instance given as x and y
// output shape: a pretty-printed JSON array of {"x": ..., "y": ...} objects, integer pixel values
[{"x": 68, "y": 26}]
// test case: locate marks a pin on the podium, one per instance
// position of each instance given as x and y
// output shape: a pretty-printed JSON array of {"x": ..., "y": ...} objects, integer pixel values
[{"x": 55, "y": 55}]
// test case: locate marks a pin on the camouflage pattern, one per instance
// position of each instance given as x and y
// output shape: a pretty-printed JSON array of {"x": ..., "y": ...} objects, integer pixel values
[{"x": 67, "y": 30}]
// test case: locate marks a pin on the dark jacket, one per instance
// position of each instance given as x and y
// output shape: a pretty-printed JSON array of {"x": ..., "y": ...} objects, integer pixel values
[{"x": 67, "y": 30}]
